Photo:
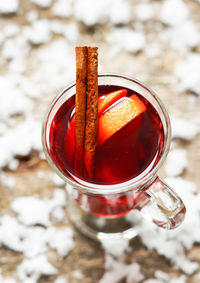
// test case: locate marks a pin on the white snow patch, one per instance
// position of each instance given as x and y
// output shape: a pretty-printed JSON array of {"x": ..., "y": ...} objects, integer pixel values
[
  {"x": 61, "y": 240},
  {"x": 116, "y": 271},
  {"x": 8, "y": 146},
  {"x": 144, "y": 11},
  {"x": 34, "y": 241},
  {"x": 161, "y": 275},
  {"x": 61, "y": 279},
  {"x": 15, "y": 48},
  {"x": 35, "y": 267},
  {"x": 126, "y": 39},
  {"x": 53, "y": 60},
  {"x": 32, "y": 16},
  {"x": 182, "y": 37},
  {"x": 32, "y": 210},
  {"x": 13, "y": 101},
  {"x": 184, "y": 128},
  {"x": 153, "y": 50},
  {"x": 39, "y": 32},
  {"x": 58, "y": 214},
  {"x": 120, "y": 12},
  {"x": 42, "y": 3},
  {"x": 7, "y": 280},
  {"x": 176, "y": 162},
  {"x": 187, "y": 72},
  {"x": 115, "y": 247},
  {"x": 181, "y": 279},
  {"x": 1, "y": 38},
  {"x": 71, "y": 32},
  {"x": 58, "y": 181},
  {"x": 11, "y": 30},
  {"x": 62, "y": 8},
  {"x": 173, "y": 12},
  {"x": 77, "y": 274},
  {"x": 9, "y": 6},
  {"x": 90, "y": 13},
  {"x": 13, "y": 164},
  {"x": 7, "y": 181},
  {"x": 11, "y": 233}
]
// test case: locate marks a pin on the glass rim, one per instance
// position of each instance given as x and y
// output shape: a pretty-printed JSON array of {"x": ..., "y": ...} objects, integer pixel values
[{"x": 101, "y": 189}]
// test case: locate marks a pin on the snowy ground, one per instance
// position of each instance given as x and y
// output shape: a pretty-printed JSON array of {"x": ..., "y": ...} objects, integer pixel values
[{"x": 158, "y": 42}]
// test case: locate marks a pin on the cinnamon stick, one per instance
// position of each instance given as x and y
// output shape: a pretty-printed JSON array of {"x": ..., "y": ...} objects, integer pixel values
[
  {"x": 80, "y": 100},
  {"x": 91, "y": 112}
]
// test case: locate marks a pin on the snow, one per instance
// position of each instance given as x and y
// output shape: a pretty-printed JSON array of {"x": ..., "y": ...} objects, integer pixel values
[
  {"x": 185, "y": 129},
  {"x": 32, "y": 16},
  {"x": 144, "y": 11},
  {"x": 39, "y": 32},
  {"x": 173, "y": 12},
  {"x": 57, "y": 180},
  {"x": 104, "y": 10},
  {"x": 176, "y": 162},
  {"x": 124, "y": 17},
  {"x": 90, "y": 14},
  {"x": 187, "y": 72},
  {"x": 9, "y": 6},
  {"x": 52, "y": 65},
  {"x": 61, "y": 240},
  {"x": 58, "y": 214},
  {"x": 7, "y": 280},
  {"x": 132, "y": 41},
  {"x": 161, "y": 275},
  {"x": 116, "y": 271},
  {"x": 71, "y": 32},
  {"x": 11, "y": 240},
  {"x": 35, "y": 267},
  {"x": 183, "y": 37},
  {"x": 22, "y": 104},
  {"x": 34, "y": 241},
  {"x": 11, "y": 30},
  {"x": 7, "y": 181},
  {"x": 42, "y": 3},
  {"x": 62, "y": 8},
  {"x": 12, "y": 49},
  {"x": 32, "y": 210},
  {"x": 77, "y": 274},
  {"x": 9, "y": 148},
  {"x": 153, "y": 51},
  {"x": 1, "y": 38},
  {"x": 115, "y": 247},
  {"x": 61, "y": 279}
]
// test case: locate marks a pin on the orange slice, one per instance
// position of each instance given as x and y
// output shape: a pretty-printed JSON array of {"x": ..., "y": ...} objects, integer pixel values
[
  {"x": 119, "y": 116},
  {"x": 107, "y": 100}
]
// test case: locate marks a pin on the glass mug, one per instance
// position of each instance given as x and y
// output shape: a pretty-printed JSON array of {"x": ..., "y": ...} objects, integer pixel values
[{"x": 148, "y": 193}]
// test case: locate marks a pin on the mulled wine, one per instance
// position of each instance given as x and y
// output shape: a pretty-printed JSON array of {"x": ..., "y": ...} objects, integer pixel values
[{"x": 122, "y": 155}]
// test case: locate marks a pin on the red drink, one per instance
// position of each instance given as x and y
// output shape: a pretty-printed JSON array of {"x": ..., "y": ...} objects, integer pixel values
[{"x": 125, "y": 155}]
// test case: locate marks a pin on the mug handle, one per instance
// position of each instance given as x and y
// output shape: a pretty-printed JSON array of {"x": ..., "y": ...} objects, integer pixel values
[{"x": 161, "y": 204}]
